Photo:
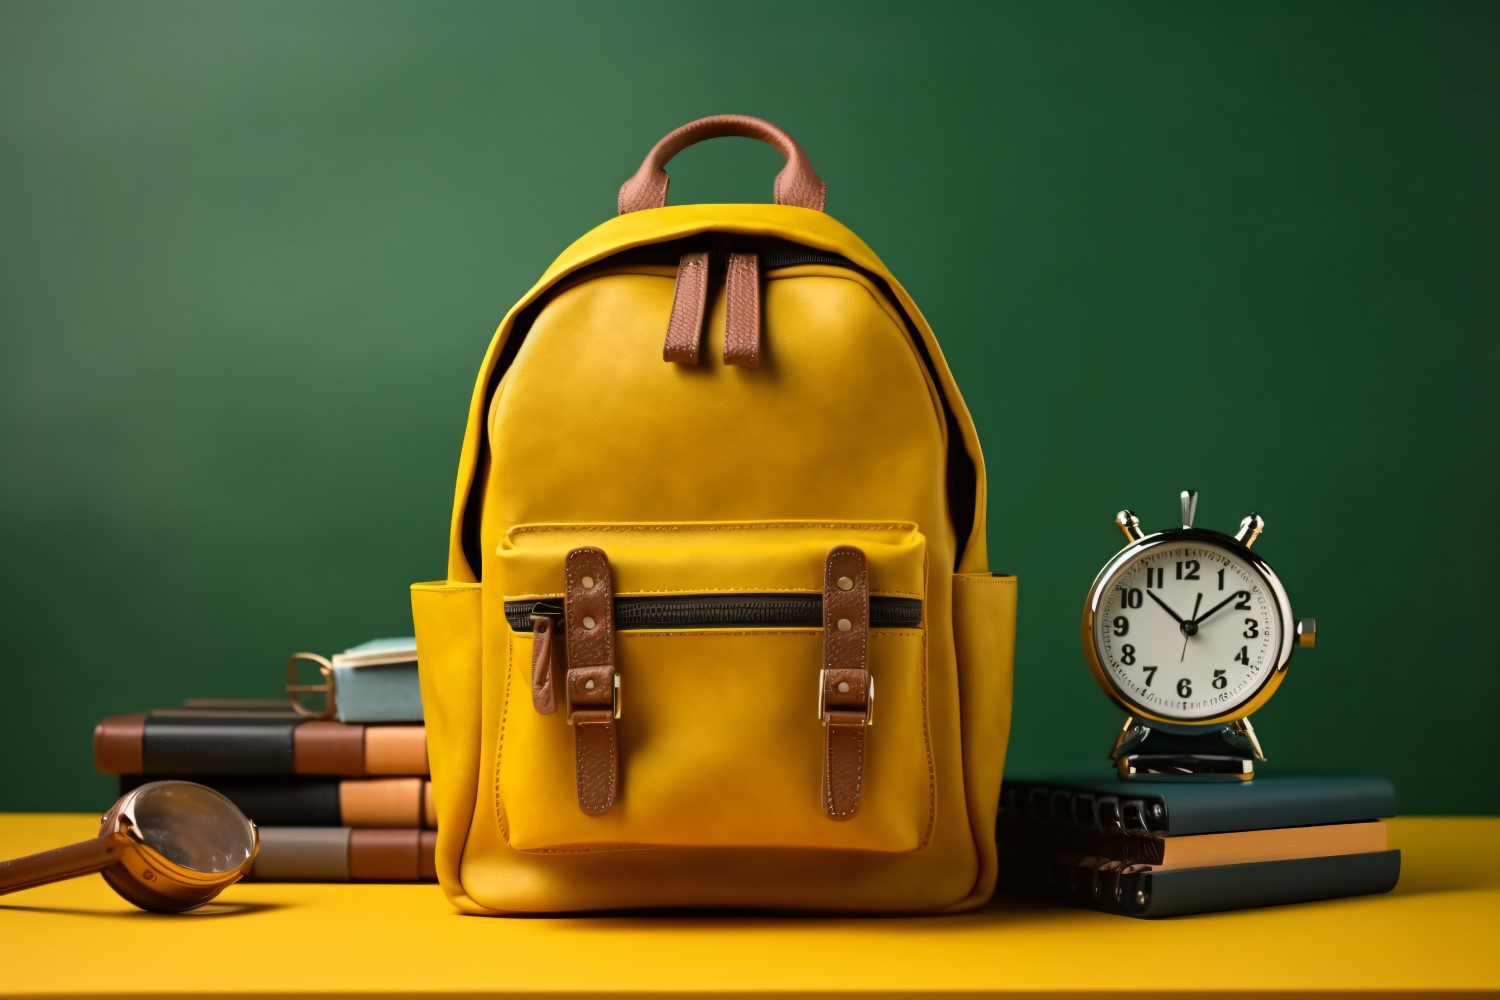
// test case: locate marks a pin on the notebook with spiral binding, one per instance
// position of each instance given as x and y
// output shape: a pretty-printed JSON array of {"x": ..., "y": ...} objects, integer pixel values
[
  {"x": 1140, "y": 891},
  {"x": 1151, "y": 849}
]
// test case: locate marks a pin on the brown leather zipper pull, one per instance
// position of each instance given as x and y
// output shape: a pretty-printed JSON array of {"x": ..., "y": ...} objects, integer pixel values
[
  {"x": 689, "y": 302},
  {"x": 847, "y": 700},
  {"x": 543, "y": 664},
  {"x": 593, "y": 688},
  {"x": 742, "y": 310}
]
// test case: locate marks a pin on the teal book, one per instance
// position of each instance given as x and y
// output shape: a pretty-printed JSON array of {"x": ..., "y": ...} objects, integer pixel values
[
  {"x": 375, "y": 681},
  {"x": 1166, "y": 848},
  {"x": 1175, "y": 807},
  {"x": 1141, "y": 891}
]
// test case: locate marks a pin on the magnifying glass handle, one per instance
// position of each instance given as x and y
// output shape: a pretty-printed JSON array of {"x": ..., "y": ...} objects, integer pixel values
[{"x": 57, "y": 864}]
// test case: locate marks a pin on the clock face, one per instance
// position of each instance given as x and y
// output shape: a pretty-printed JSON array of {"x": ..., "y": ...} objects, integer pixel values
[{"x": 1187, "y": 630}]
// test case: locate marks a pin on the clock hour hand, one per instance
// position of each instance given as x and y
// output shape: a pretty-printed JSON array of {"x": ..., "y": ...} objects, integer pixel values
[{"x": 1176, "y": 617}]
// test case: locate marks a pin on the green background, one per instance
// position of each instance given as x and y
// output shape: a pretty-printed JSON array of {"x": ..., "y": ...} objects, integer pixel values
[{"x": 250, "y": 255}]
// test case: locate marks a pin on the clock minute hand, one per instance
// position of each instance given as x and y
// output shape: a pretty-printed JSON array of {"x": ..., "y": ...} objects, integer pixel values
[
  {"x": 1158, "y": 600},
  {"x": 1209, "y": 613}
]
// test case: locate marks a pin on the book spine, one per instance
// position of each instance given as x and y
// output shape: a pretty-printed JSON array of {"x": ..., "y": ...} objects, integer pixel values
[
  {"x": 1032, "y": 806},
  {"x": 396, "y": 750},
  {"x": 302, "y": 854},
  {"x": 140, "y": 744},
  {"x": 118, "y": 744},
  {"x": 341, "y": 854},
  {"x": 393, "y": 856},
  {"x": 256, "y": 745},
  {"x": 217, "y": 746},
  {"x": 1072, "y": 824},
  {"x": 387, "y": 803},
  {"x": 1184, "y": 809},
  {"x": 329, "y": 748}
]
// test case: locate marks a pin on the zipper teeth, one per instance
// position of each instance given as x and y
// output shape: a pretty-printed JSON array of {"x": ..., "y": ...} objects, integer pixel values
[
  {"x": 791, "y": 258},
  {"x": 672, "y": 612},
  {"x": 769, "y": 259},
  {"x": 710, "y": 611}
]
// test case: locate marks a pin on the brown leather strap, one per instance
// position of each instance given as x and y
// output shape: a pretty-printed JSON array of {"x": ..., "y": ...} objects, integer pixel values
[
  {"x": 848, "y": 690},
  {"x": 742, "y": 310},
  {"x": 689, "y": 301},
  {"x": 543, "y": 664},
  {"x": 796, "y": 184},
  {"x": 589, "y": 612}
]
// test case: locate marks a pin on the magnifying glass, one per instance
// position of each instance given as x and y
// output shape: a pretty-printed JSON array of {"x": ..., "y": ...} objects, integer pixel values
[{"x": 167, "y": 846}]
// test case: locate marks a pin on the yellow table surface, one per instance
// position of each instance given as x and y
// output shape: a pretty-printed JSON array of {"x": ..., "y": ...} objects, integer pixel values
[{"x": 1439, "y": 931}]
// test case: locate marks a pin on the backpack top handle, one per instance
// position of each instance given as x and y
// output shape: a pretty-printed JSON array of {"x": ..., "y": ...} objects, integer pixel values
[{"x": 797, "y": 183}]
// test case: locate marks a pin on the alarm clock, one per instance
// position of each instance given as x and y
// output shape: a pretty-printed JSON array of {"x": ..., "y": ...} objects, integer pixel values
[{"x": 1189, "y": 632}]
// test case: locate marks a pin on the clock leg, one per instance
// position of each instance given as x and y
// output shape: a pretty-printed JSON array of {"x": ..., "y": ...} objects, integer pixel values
[
  {"x": 1242, "y": 734},
  {"x": 1131, "y": 735}
]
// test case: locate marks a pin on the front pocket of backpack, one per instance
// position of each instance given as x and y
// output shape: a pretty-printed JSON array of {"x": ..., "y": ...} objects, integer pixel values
[{"x": 719, "y": 649}]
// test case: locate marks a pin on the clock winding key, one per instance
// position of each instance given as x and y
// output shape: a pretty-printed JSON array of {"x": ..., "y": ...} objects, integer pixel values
[
  {"x": 1130, "y": 524},
  {"x": 1250, "y": 529}
]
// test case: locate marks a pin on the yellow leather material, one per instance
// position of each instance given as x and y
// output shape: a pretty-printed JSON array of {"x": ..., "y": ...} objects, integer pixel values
[
  {"x": 446, "y": 616},
  {"x": 720, "y": 736},
  {"x": 984, "y": 632},
  {"x": 757, "y": 557},
  {"x": 577, "y": 422},
  {"x": 817, "y": 230}
]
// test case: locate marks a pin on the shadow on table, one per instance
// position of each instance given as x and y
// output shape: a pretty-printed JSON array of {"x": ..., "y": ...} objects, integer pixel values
[
  {"x": 208, "y": 910},
  {"x": 999, "y": 912}
]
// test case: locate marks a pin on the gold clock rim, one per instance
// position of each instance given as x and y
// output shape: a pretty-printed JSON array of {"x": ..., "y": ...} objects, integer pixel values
[{"x": 1219, "y": 540}]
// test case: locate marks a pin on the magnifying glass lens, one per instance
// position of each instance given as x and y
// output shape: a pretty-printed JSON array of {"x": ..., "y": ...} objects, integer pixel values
[{"x": 193, "y": 826}]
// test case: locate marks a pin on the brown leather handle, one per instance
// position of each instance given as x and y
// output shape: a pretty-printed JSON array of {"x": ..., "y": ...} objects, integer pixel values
[{"x": 796, "y": 184}]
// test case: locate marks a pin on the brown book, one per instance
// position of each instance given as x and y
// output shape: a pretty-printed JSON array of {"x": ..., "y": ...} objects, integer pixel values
[
  {"x": 387, "y": 802},
  {"x": 339, "y": 854},
  {"x": 185, "y": 742}
]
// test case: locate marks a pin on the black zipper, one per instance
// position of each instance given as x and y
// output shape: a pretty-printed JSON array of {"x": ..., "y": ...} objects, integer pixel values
[
  {"x": 793, "y": 256},
  {"x": 722, "y": 611},
  {"x": 774, "y": 254}
]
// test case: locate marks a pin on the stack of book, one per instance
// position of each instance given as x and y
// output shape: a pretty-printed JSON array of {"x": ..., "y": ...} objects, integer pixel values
[
  {"x": 1163, "y": 848},
  {"x": 345, "y": 799}
]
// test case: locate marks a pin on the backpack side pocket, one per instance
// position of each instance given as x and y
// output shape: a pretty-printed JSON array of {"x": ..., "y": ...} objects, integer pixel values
[
  {"x": 984, "y": 637},
  {"x": 449, "y": 662}
]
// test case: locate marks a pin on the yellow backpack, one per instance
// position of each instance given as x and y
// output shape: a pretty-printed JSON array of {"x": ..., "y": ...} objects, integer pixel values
[{"x": 680, "y": 570}]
